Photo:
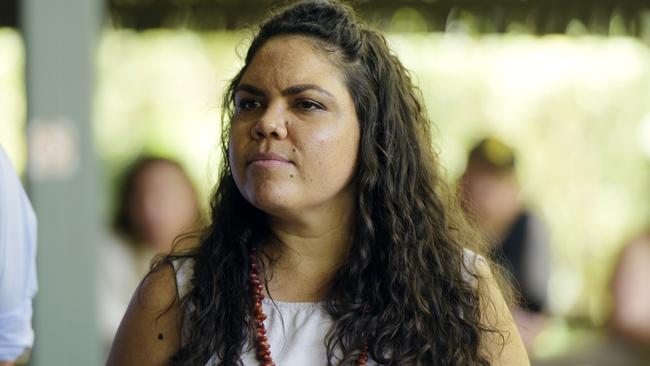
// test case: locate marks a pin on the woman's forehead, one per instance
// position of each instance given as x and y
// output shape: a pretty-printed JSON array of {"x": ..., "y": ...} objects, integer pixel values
[{"x": 284, "y": 61}]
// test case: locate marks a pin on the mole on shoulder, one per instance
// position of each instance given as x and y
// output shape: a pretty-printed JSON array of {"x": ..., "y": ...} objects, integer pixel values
[{"x": 160, "y": 336}]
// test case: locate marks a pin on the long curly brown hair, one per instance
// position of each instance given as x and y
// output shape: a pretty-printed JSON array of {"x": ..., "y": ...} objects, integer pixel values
[{"x": 404, "y": 286}]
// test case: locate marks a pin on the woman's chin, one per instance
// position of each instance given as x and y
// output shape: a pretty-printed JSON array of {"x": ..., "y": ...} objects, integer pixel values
[{"x": 273, "y": 203}]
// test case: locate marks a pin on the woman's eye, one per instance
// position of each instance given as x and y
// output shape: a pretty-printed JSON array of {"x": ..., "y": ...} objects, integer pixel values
[
  {"x": 308, "y": 105},
  {"x": 248, "y": 105}
]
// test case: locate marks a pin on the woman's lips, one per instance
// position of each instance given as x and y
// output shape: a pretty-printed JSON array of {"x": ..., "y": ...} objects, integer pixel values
[
  {"x": 269, "y": 163},
  {"x": 269, "y": 159}
]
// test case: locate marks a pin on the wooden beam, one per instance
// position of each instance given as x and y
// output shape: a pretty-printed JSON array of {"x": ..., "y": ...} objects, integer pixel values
[{"x": 491, "y": 16}]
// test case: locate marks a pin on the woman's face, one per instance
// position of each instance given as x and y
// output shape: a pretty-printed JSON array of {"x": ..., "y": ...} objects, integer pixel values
[
  {"x": 295, "y": 134},
  {"x": 162, "y": 205}
]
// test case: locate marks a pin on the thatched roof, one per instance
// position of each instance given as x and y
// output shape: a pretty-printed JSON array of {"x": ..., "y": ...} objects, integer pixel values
[{"x": 478, "y": 16}]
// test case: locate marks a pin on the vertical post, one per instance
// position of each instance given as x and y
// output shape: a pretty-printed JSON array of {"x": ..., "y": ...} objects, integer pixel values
[{"x": 60, "y": 38}]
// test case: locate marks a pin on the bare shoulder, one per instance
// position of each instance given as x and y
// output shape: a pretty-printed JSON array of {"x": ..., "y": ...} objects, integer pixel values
[
  {"x": 504, "y": 348},
  {"x": 149, "y": 333}
]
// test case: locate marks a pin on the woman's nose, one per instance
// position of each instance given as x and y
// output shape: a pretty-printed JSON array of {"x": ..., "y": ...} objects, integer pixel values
[{"x": 272, "y": 124}]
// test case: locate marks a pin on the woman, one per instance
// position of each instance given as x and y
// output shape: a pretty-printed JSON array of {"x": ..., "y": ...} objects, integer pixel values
[
  {"x": 156, "y": 203},
  {"x": 329, "y": 203}
]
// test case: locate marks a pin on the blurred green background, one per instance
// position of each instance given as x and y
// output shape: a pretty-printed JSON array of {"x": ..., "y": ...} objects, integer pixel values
[{"x": 570, "y": 92}]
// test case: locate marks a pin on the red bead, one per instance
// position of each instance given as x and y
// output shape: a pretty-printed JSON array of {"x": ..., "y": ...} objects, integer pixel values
[
  {"x": 363, "y": 359},
  {"x": 263, "y": 346},
  {"x": 262, "y": 338}
]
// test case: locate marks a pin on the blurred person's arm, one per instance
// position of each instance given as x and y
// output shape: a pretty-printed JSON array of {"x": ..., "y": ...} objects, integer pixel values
[
  {"x": 150, "y": 330},
  {"x": 18, "y": 283},
  {"x": 537, "y": 262},
  {"x": 532, "y": 318}
]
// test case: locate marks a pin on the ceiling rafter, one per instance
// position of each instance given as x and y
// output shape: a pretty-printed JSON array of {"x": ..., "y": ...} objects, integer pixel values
[{"x": 484, "y": 16}]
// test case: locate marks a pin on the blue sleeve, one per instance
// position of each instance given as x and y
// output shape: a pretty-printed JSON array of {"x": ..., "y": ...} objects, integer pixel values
[{"x": 18, "y": 283}]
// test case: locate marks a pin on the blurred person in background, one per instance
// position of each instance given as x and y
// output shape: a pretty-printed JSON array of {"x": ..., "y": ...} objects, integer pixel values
[
  {"x": 626, "y": 338},
  {"x": 492, "y": 198},
  {"x": 18, "y": 284},
  {"x": 630, "y": 286},
  {"x": 156, "y": 203}
]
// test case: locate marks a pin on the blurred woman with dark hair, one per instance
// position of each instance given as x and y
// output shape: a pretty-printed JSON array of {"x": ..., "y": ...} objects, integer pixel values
[
  {"x": 333, "y": 240},
  {"x": 156, "y": 203}
]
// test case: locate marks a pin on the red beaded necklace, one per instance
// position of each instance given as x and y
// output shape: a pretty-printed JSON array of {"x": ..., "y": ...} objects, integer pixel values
[{"x": 263, "y": 346}]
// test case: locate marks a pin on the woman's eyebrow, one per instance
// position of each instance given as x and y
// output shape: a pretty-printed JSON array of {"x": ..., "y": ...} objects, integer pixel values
[
  {"x": 297, "y": 89},
  {"x": 249, "y": 89},
  {"x": 293, "y": 90}
]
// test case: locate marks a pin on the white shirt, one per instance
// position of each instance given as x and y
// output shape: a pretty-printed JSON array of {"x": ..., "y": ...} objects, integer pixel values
[
  {"x": 121, "y": 270},
  {"x": 296, "y": 330},
  {"x": 18, "y": 283}
]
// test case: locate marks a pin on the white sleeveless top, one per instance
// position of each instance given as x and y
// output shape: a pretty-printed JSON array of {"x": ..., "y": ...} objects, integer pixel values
[{"x": 296, "y": 330}]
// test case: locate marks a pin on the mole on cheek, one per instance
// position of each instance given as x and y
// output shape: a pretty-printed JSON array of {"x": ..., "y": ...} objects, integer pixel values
[
  {"x": 291, "y": 175},
  {"x": 160, "y": 336}
]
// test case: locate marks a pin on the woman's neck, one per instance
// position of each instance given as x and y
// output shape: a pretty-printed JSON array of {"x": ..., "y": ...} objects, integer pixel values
[{"x": 305, "y": 255}]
